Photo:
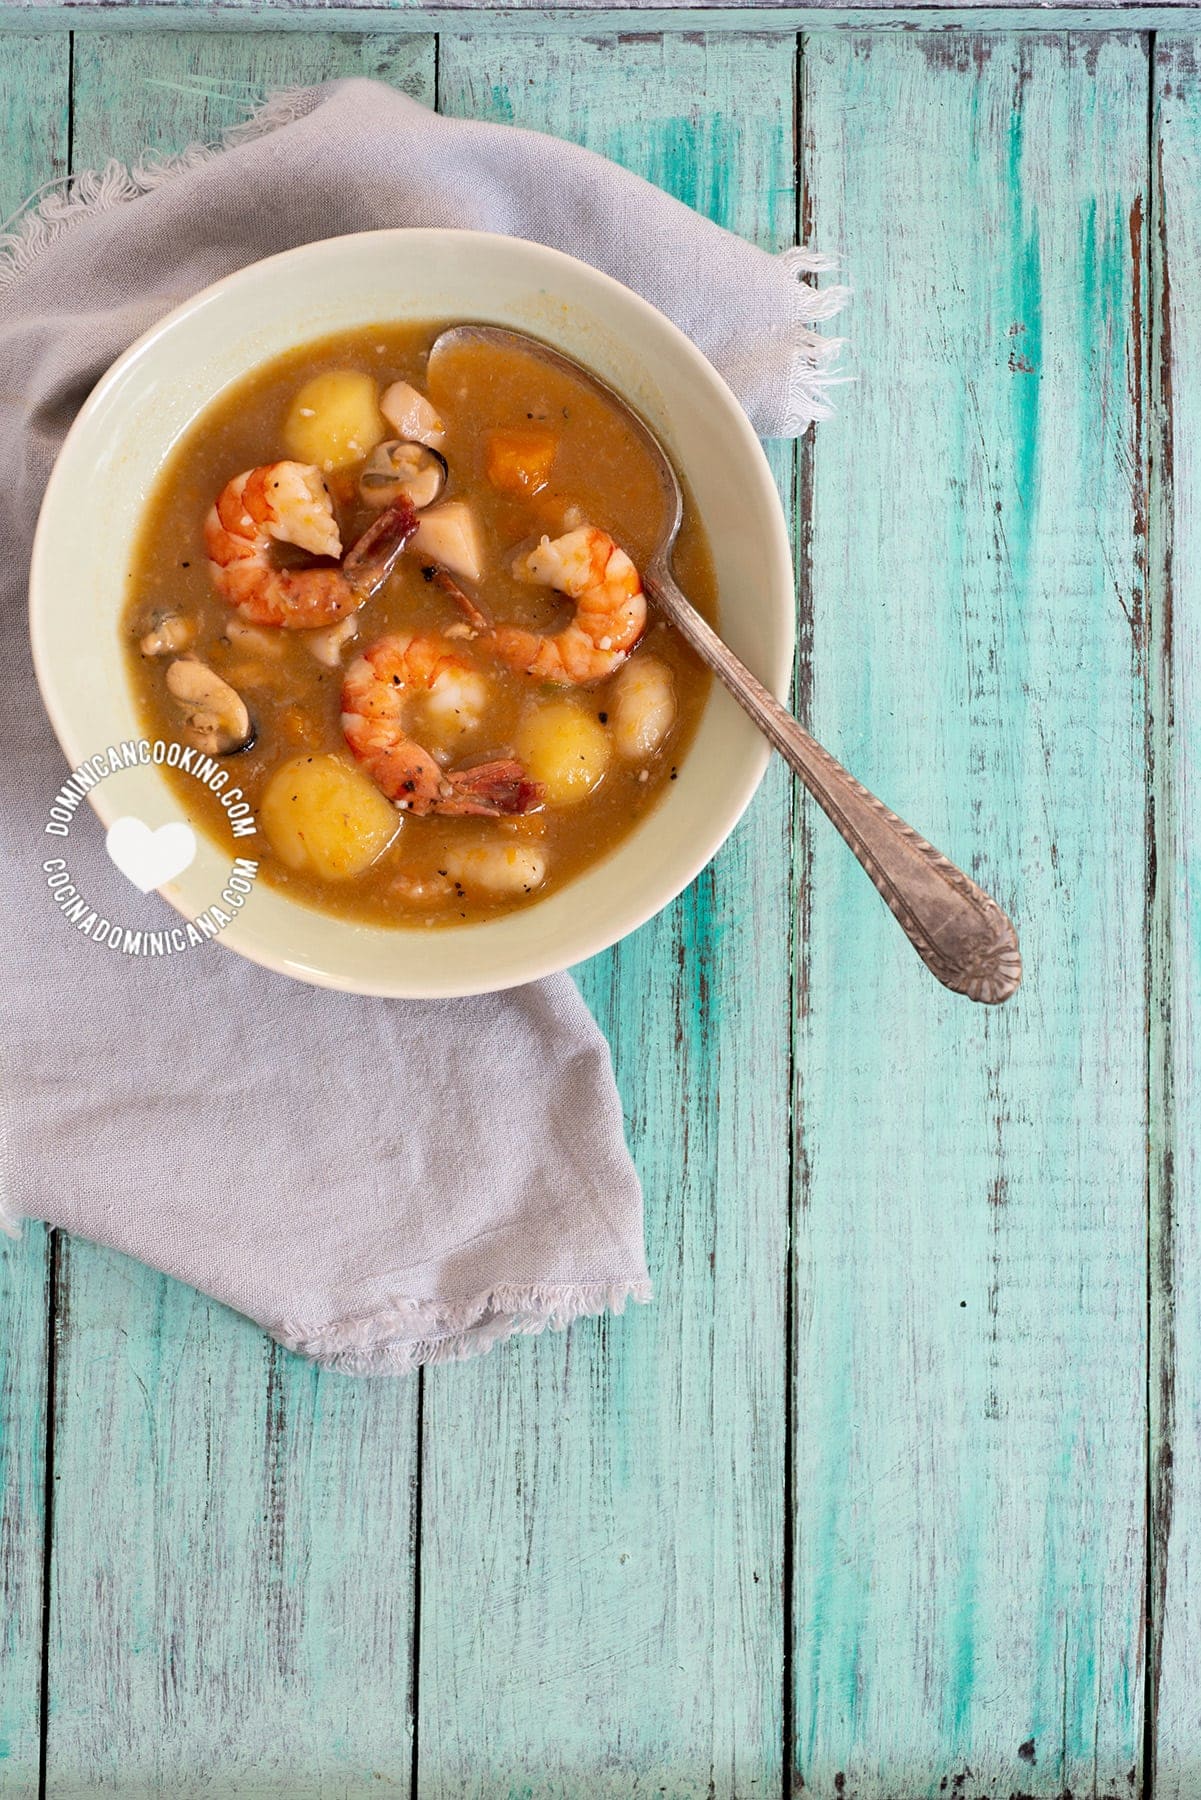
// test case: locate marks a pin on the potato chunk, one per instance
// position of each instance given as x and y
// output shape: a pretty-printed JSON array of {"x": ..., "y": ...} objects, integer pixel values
[
  {"x": 335, "y": 420},
  {"x": 324, "y": 817},
  {"x": 519, "y": 462},
  {"x": 565, "y": 748},
  {"x": 497, "y": 868}
]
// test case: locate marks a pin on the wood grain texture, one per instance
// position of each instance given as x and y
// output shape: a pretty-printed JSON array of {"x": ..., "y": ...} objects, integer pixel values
[
  {"x": 39, "y": 13},
  {"x": 34, "y": 112},
  {"x": 537, "y": 17},
  {"x": 601, "y": 1577},
  {"x": 177, "y": 90},
  {"x": 233, "y": 1546},
  {"x": 602, "y": 1605},
  {"x": 1175, "y": 1385},
  {"x": 24, "y": 1304},
  {"x": 970, "y": 1233}
]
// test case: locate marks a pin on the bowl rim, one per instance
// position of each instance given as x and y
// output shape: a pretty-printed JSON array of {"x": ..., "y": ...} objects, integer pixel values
[{"x": 780, "y": 577}]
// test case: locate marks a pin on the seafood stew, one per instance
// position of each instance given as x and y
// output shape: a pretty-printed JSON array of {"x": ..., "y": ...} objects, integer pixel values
[{"x": 401, "y": 598}]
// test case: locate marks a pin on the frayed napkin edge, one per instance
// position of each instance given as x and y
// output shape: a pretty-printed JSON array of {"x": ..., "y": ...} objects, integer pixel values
[
  {"x": 455, "y": 1332},
  {"x": 51, "y": 211},
  {"x": 813, "y": 356}
]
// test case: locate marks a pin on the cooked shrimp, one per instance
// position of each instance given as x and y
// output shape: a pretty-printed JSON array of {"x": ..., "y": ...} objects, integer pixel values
[
  {"x": 610, "y": 613},
  {"x": 289, "y": 503},
  {"x": 376, "y": 694}
]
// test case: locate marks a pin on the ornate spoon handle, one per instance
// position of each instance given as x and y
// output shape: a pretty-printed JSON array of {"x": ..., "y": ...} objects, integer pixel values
[{"x": 959, "y": 932}]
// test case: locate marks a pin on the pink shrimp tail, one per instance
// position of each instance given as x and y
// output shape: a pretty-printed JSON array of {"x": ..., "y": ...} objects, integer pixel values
[
  {"x": 369, "y": 562},
  {"x": 491, "y": 789}
]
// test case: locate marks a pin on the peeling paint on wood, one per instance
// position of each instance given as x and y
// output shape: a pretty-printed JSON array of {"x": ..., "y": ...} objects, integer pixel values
[
  {"x": 608, "y": 1601},
  {"x": 971, "y": 1230},
  {"x": 1175, "y": 1161},
  {"x": 33, "y": 150},
  {"x": 234, "y": 1548},
  {"x": 24, "y": 1285},
  {"x": 619, "y": 1525},
  {"x": 512, "y": 16}
]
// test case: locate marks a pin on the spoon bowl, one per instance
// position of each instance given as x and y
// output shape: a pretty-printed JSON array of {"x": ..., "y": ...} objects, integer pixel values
[
  {"x": 503, "y": 337},
  {"x": 961, "y": 934}
]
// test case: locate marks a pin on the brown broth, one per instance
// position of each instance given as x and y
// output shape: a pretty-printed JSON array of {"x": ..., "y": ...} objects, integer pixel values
[{"x": 600, "y": 468}]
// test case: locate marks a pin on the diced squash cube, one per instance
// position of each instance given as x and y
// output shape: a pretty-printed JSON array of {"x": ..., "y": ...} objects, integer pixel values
[
  {"x": 322, "y": 816},
  {"x": 519, "y": 462},
  {"x": 335, "y": 420}
]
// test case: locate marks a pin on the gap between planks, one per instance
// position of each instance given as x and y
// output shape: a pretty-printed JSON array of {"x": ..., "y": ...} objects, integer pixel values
[{"x": 1153, "y": 324}]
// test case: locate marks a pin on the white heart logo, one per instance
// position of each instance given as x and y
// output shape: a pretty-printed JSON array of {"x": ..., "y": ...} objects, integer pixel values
[{"x": 149, "y": 858}]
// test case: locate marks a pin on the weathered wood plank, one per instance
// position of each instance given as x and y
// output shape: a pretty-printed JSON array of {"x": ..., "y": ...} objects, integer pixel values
[
  {"x": 1176, "y": 1012},
  {"x": 601, "y": 1585},
  {"x": 200, "y": 83},
  {"x": 538, "y": 18},
  {"x": 24, "y": 1307},
  {"x": 237, "y": 15},
  {"x": 34, "y": 115},
  {"x": 970, "y": 1233},
  {"x": 233, "y": 1545}
]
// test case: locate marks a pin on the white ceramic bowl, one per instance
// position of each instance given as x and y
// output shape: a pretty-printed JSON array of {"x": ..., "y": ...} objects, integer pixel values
[{"x": 112, "y": 457}]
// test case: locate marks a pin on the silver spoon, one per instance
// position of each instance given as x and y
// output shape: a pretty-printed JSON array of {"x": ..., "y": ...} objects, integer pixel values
[{"x": 960, "y": 933}]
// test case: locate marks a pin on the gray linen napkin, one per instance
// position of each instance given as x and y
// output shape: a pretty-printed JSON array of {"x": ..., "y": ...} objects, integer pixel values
[{"x": 378, "y": 1184}]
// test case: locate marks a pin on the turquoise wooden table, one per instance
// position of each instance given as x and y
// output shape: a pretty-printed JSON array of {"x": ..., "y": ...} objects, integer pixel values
[{"x": 895, "y": 1490}]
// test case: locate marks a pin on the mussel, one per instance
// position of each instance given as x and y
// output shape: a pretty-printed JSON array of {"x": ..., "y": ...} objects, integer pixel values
[
  {"x": 215, "y": 719},
  {"x": 402, "y": 470},
  {"x": 169, "y": 633}
]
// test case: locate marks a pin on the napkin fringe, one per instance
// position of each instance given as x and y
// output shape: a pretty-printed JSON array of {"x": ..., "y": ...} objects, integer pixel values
[
  {"x": 53, "y": 209},
  {"x": 455, "y": 1332},
  {"x": 811, "y": 375}
]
